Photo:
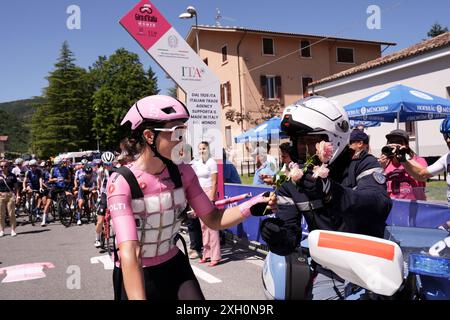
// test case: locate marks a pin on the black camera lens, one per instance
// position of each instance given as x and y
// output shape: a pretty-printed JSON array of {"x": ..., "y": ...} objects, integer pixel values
[{"x": 387, "y": 151}]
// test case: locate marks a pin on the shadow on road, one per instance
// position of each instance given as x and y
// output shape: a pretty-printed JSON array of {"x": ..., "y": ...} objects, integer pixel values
[{"x": 32, "y": 232}]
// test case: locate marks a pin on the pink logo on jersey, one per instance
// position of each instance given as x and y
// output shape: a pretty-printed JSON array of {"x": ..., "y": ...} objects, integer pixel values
[
  {"x": 145, "y": 24},
  {"x": 25, "y": 272}
]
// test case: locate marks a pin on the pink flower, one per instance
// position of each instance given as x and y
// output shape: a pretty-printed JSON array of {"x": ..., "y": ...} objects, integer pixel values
[
  {"x": 296, "y": 174},
  {"x": 321, "y": 171},
  {"x": 293, "y": 165},
  {"x": 324, "y": 151}
]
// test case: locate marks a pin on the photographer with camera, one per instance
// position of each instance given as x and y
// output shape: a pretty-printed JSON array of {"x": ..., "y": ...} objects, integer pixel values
[
  {"x": 400, "y": 183},
  {"x": 424, "y": 172}
]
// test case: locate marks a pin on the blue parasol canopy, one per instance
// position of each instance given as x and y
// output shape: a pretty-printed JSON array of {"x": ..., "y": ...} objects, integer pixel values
[
  {"x": 399, "y": 103},
  {"x": 266, "y": 130}
]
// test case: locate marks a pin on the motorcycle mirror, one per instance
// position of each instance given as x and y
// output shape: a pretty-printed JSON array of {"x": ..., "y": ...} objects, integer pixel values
[{"x": 372, "y": 263}]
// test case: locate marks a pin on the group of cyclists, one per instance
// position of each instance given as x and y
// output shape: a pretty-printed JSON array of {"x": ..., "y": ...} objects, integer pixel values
[{"x": 82, "y": 185}]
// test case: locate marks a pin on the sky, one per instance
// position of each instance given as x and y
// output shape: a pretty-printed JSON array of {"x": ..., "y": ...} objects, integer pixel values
[{"x": 32, "y": 32}]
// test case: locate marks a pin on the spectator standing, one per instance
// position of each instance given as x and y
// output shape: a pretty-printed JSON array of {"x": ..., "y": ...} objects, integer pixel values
[
  {"x": 206, "y": 170},
  {"x": 8, "y": 182}
]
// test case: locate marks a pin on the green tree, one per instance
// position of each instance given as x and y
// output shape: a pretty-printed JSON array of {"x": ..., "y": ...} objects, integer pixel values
[
  {"x": 63, "y": 122},
  {"x": 436, "y": 30},
  {"x": 120, "y": 81},
  {"x": 18, "y": 134},
  {"x": 173, "y": 92}
]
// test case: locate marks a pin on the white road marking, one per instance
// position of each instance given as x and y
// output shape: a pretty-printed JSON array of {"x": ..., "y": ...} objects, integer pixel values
[
  {"x": 205, "y": 276},
  {"x": 108, "y": 264},
  {"x": 256, "y": 262}
]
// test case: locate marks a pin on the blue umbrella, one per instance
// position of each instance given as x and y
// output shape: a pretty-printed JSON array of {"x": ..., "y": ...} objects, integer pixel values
[
  {"x": 399, "y": 103},
  {"x": 366, "y": 124},
  {"x": 263, "y": 132}
]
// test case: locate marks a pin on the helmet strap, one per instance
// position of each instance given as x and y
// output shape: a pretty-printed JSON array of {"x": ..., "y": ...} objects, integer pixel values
[{"x": 174, "y": 173}]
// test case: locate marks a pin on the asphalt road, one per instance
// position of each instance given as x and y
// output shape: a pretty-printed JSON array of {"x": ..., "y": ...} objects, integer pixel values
[{"x": 67, "y": 257}]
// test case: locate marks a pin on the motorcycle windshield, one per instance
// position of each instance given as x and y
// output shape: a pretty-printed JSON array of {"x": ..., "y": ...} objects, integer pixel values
[{"x": 414, "y": 225}]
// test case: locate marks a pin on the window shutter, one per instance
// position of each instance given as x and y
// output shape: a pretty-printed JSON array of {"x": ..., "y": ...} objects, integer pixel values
[
  {"x": 222, "y": 95},
  {"x": 228, "y": 84},
  {"x": 264, "y": 87},
  {"x": 278, "y": 87}
]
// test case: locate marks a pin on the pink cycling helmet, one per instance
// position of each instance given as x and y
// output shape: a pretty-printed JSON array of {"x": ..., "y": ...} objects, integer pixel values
[{"x": 157, "y": 108}]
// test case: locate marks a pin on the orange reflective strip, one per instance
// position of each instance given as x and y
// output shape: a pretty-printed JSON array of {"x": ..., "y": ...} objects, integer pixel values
[{"x": 369, "y": 247}]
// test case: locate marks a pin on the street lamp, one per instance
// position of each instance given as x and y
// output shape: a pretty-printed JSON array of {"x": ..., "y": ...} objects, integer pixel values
[{"x": 189, "y": 14}]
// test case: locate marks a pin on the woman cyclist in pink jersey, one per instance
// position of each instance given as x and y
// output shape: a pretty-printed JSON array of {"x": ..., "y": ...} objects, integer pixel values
[{"x": 150, "y": 265}]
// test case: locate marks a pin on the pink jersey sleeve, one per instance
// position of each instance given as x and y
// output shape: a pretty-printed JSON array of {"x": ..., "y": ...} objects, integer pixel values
[
  {"x": 119, "y": 204},
  {"x": 196, "y": 197}
]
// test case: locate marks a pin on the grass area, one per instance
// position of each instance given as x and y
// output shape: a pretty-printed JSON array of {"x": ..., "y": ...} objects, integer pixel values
[
  {"x": 246, "y": 179},
  {"x": 435, "y": 191}
]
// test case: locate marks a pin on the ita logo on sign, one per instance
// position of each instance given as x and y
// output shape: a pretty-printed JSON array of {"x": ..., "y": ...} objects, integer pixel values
[{"x": 145, "y": 24}]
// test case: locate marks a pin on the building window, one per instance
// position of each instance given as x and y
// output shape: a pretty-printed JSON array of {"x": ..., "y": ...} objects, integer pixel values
[
  {"x": 268, "y": 46},
  {"x": 228, "y": 136},
  {"x": 345, "y": 55},
  {"x": 205, "y": 61},
  {"x": 225, "y": 94},
  {"x": 305, "y": 82},
  {"x": 410, "y": 127},
  {"x": 224, "y": 54},
  {"x": 305, "y": 49},
  {"x": 271, "y": 87}
]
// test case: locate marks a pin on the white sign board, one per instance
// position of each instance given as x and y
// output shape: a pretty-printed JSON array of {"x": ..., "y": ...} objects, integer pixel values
[{"x": 165, "y": 45}]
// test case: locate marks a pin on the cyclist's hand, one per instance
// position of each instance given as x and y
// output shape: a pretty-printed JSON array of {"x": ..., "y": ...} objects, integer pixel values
[{"x": 41, "y": 190}]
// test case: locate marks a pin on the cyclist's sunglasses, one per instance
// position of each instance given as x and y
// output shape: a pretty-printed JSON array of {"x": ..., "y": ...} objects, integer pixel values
[
  {"x": 178, "y": 132},
  {"x": 446, "y": 135}
]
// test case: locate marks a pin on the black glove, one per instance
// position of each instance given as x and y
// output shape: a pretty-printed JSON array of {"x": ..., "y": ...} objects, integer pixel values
[
  {"x": 281, "y": 239},
  {"x": 259, "y": 209},
  {"x": 271, "y": 230}
]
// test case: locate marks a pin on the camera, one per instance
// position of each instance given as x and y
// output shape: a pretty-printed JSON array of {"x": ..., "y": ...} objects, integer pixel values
[{"x": 392, "y": 152}]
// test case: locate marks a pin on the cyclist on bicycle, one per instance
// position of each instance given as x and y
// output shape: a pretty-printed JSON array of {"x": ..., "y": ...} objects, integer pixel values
[
  {"x": 87, "y": 191},
  {"x": 45, "y": 167},
  {"x": 59, "y": 180},
  {"x": 151, "y": 265},
  {"x": 33, "y": 182},
  {"x": 19, "y": 171},
  {"x": 79, "y": 174},
  {"x": 102, "y": 179}
]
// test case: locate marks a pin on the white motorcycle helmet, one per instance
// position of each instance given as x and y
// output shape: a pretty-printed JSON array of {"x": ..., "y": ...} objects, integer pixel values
[{"x": 318, "y": 115}]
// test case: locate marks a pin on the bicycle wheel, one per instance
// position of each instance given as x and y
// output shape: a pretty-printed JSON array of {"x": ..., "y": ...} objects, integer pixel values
[{"x": 64, "y": 212}]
